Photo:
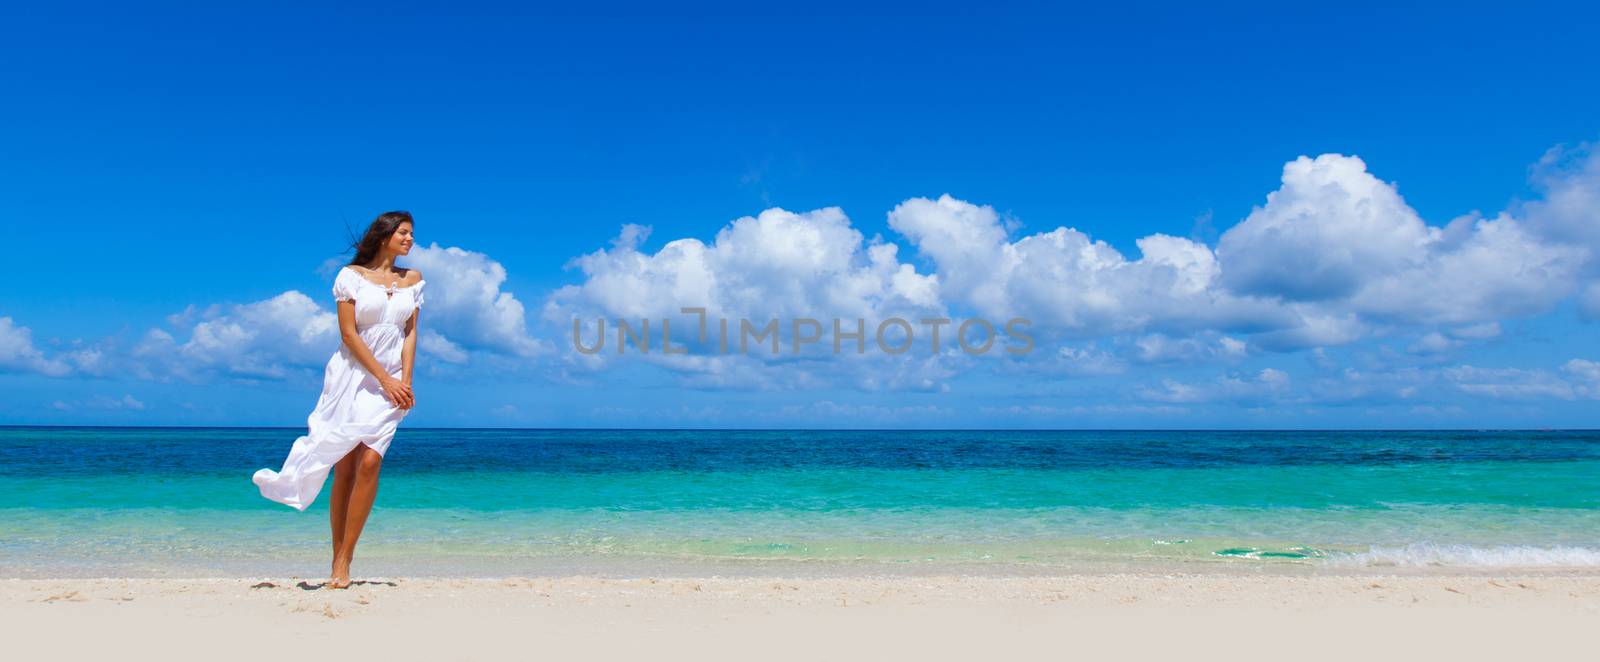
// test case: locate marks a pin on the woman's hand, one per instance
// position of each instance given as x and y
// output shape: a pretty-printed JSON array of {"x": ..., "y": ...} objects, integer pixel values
[{"x": 398, "y": 392}]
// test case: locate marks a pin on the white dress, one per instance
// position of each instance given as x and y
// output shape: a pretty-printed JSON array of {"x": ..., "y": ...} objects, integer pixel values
[{"x": 352, "y": 409}]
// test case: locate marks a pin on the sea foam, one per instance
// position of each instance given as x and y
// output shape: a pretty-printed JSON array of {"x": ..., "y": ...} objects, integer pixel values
[{"x": 1501, "y": 556}]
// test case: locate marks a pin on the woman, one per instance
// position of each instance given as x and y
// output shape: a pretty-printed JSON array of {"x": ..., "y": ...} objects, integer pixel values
[{"x": 366, "y": 389}]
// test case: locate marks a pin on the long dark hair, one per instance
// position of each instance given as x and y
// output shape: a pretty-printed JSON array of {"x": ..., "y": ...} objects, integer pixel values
[{"x": 377, "y": 234}]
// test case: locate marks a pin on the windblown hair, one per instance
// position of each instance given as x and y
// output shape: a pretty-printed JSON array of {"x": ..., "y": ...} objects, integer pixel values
[{"x": 377, "y": 234}]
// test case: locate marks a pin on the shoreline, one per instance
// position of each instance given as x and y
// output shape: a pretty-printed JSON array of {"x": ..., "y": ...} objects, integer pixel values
[
  {"x": 624, "y": 566},
  {"x": 828, "y": 571}
]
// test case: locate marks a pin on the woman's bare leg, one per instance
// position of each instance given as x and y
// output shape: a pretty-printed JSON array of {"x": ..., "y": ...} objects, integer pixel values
[
  {"x": 344, "y": 479},
  {"x": 367, "y": 463}
]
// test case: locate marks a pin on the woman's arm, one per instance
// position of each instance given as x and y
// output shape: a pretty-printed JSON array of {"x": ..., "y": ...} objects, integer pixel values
[
  {"x": 408, "y": 355},
  {"x": 398, "y": 392}
]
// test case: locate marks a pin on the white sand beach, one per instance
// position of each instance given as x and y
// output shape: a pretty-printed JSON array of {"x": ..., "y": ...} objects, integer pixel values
[{"x": 1510, "y": 616}]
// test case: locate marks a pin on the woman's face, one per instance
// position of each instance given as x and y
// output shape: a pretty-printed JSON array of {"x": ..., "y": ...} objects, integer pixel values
[{"x": 400, "y": 242}]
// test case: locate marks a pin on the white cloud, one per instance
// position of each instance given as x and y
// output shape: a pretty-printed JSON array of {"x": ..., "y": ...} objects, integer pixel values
[
  {"x": 440, "y": 347},
  {"x": 1577, "y": 378},
  {"x": 1509, "y": 383},
  {"x": 1267, "y": 385},
  {"x": 1071, "y": 284},
  {"x": 18, "y": 354},
  {"x": 1161, "y": 348},
  {"x": 743, "y": 373},
  {"x": 1086, "y": 360},
  {"x": 275, "y": 337},
  {"x": 1433, "y": 343},
  {"x": 465, "y": 304},
  {"x": 1336, "y": 235},
  {"x": 776, "y": 265},
  {"x": 265, "y": 339},
  {"x": 1569, "y": 208},
  {"x": 1478, "y": 270},
  {"x": 1334, "y": 256},
  {"x": 1585, "y": 377},
  {"x": 1323, "y": 234},
  {"x": 966, "y": 242},
  {"x": 1436, "y": 343},
  {"x": 1317, "y": 327},
  {"x": 1348, "y": 385}
]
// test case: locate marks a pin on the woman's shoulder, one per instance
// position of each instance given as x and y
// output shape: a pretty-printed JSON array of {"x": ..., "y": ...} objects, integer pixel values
[{"x": 410, "y": 277}]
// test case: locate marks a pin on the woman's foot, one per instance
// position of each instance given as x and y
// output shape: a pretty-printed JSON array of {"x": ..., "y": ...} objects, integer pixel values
[{"x": 341, "y": 574}]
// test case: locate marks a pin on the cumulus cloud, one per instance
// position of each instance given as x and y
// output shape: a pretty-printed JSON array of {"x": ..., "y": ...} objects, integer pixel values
[
  {"x": 466, "y": 303},
  {"x": 262, "y": 340},
  {"x": 1072, "y": 286},
  {"x": 1323, "y": 233},
  {"x": 292, "y": 332},
  {"x": 18, "y": 354},
  {"x": 1078, "y": 286},
  {"x": 778, "y": 265},
  {"x": 1475, "y": 270},
  {"x": 1333, "y": 256},
  {"x": 1569, "y": 208},
  {"x": 1335, "y": 235}
]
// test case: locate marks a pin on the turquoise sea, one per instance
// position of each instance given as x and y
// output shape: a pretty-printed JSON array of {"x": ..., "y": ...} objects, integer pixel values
[{"x": 452, "y": 502}]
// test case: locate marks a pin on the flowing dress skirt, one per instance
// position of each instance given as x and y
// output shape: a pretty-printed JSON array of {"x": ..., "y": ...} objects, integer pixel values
[{"x": 352, "y": 410}]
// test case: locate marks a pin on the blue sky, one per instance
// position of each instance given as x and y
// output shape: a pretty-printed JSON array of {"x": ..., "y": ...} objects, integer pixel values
[{"x": 163, "y": 159}]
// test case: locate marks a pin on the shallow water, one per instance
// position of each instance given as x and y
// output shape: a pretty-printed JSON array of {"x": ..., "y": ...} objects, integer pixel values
[{"x": 179, "y": 501}]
